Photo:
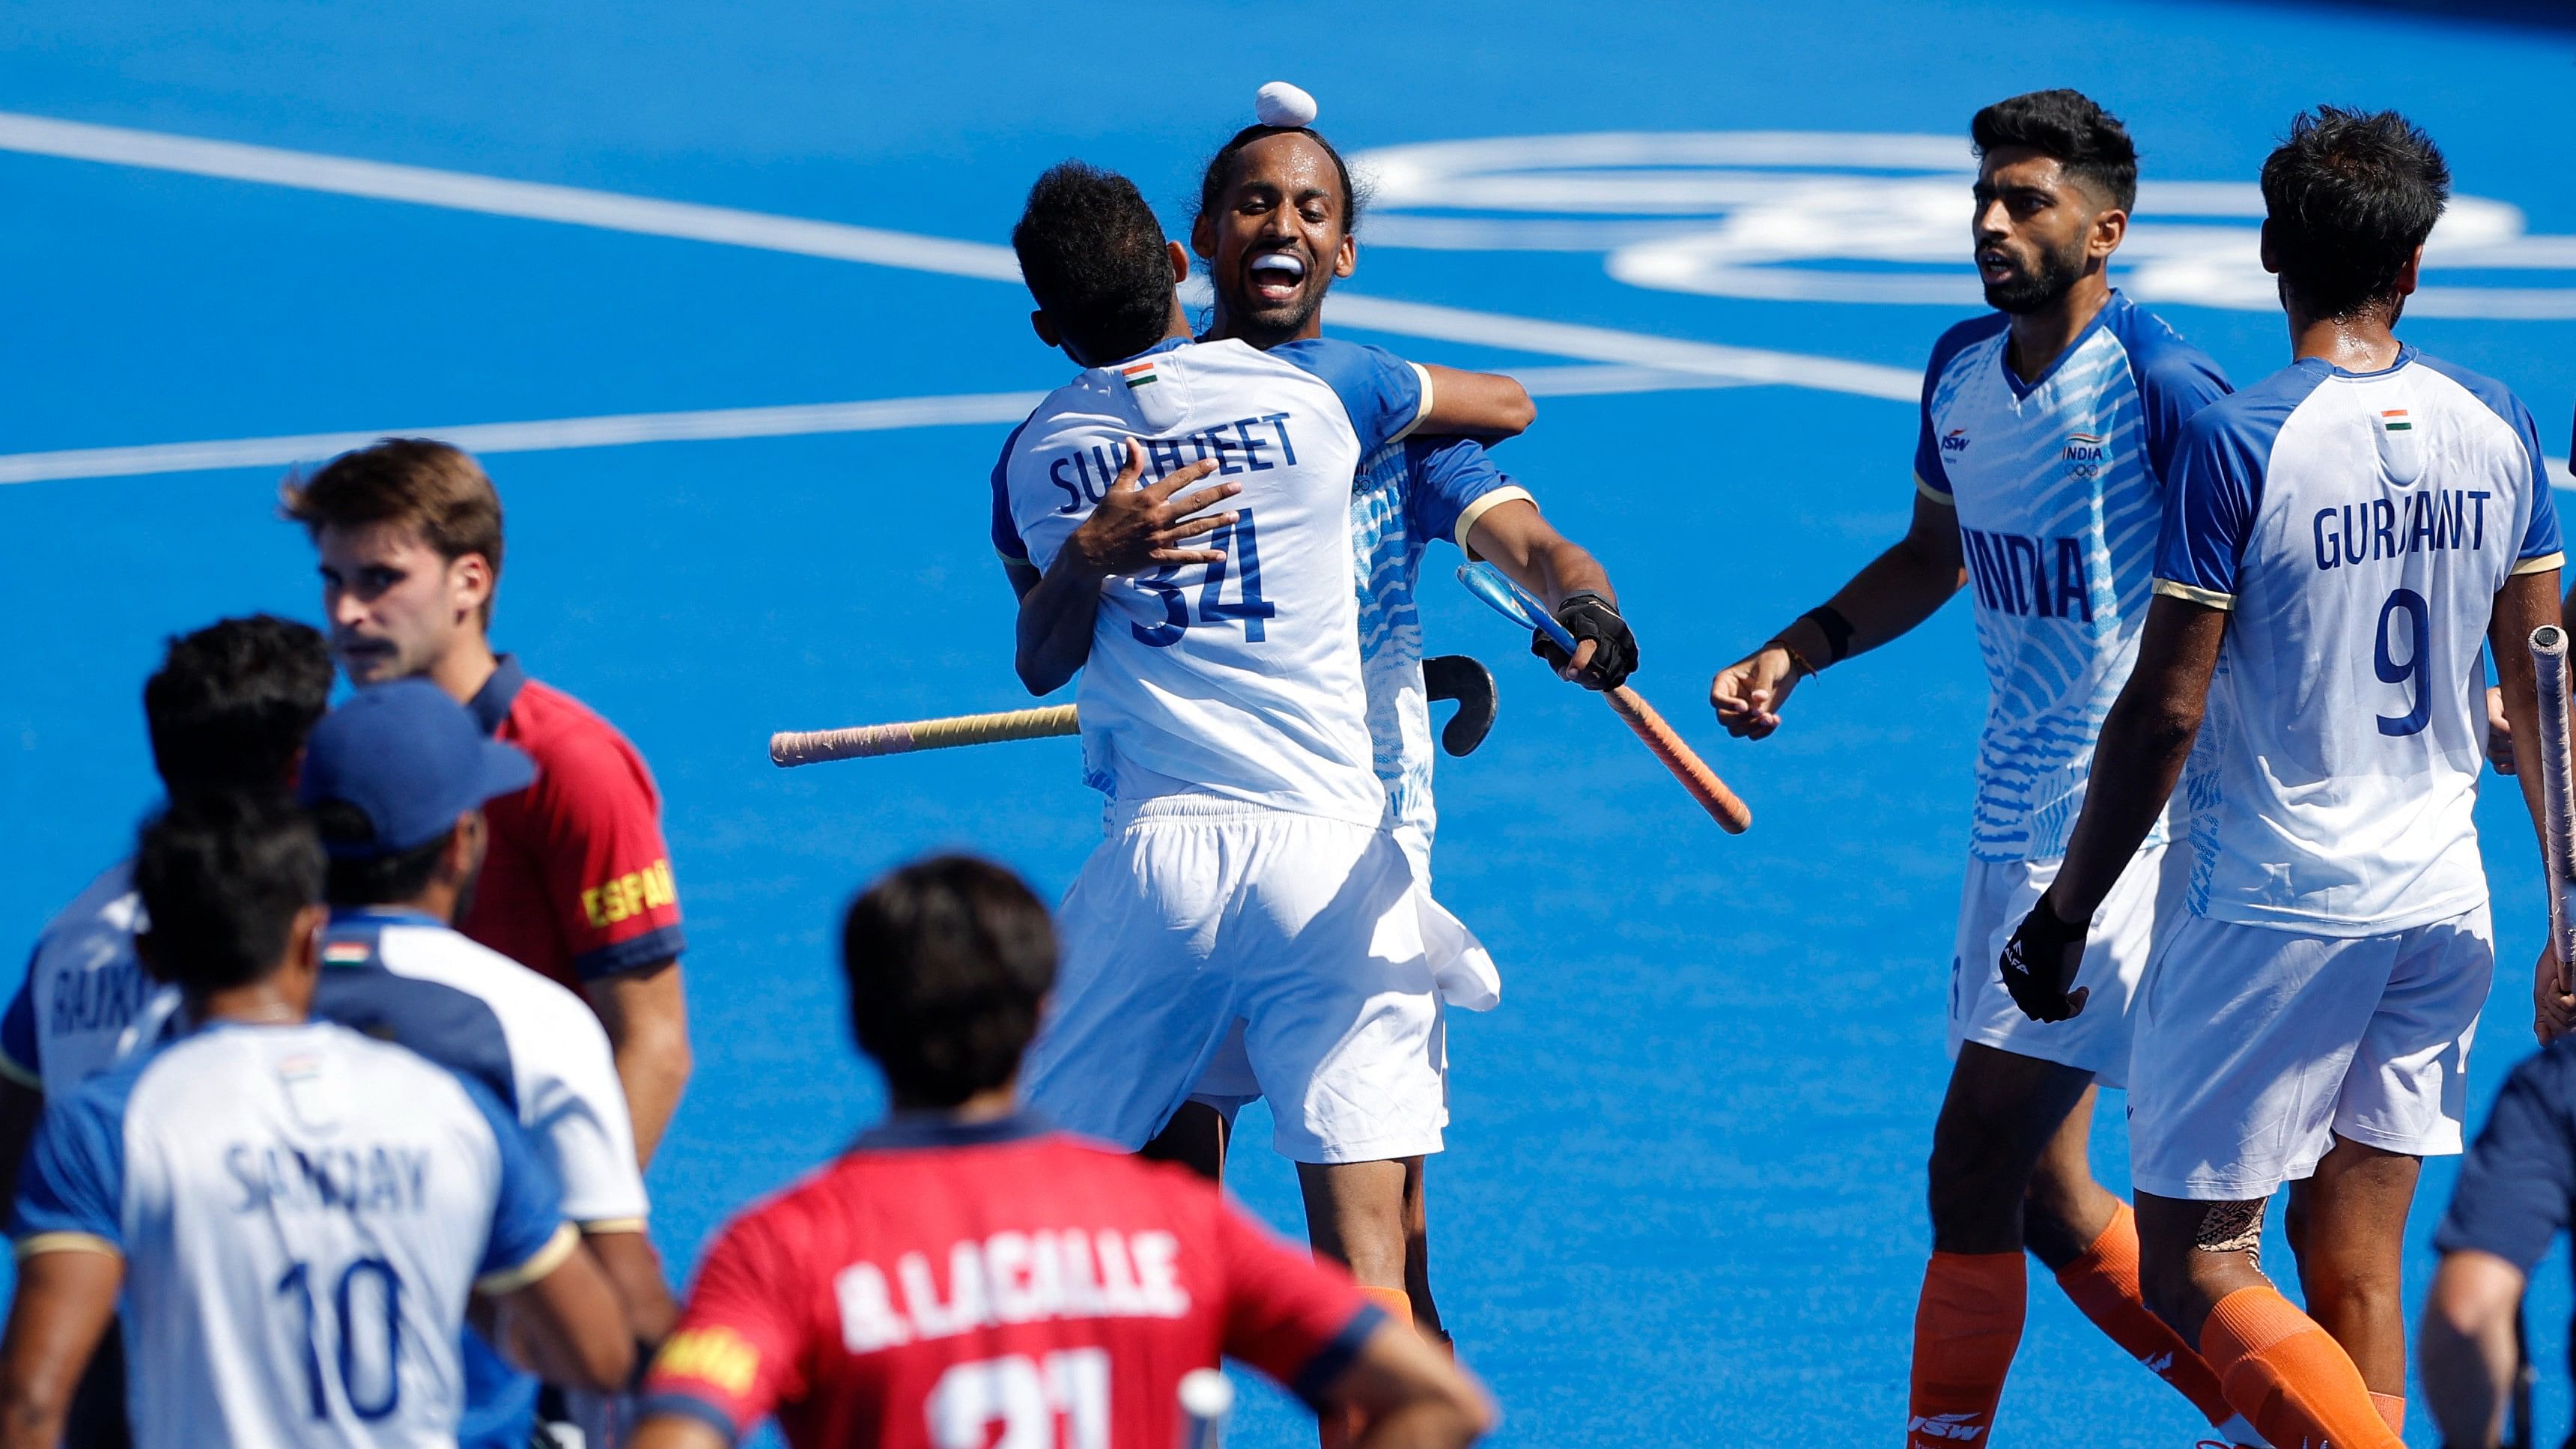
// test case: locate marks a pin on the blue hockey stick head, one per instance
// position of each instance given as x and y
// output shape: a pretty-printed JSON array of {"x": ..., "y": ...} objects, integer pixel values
[{"x": 1505, "y": 597}]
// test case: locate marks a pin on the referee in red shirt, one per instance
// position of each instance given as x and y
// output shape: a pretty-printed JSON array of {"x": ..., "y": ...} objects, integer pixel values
[
  {"x": 965, "y": 1272},
  {"x": 577, "y": 882}
]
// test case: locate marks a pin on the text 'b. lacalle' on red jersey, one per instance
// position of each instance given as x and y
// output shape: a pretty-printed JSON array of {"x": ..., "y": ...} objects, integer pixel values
[{"x": 946, "y": 1285}]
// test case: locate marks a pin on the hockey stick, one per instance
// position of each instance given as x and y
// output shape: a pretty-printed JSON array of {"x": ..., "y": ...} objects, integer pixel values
[
  {"x": 1488, "y": 583},
  {"x": 789, "y": 748}
]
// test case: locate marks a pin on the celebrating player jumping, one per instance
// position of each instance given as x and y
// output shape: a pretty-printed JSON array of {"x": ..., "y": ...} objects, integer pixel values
[
  {"x": 967, "y": 1276},
  {"x": 1277, "y": 223},
  {"x": 2048, "y": 428},
  {"x": 1248, "y": 875},
  {"x": 2338, "y": 542}
]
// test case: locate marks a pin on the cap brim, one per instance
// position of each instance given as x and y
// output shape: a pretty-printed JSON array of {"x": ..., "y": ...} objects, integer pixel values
[{"x": 506, "y": 768}]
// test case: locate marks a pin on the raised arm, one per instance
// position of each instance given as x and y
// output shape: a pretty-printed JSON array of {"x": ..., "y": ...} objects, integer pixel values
[
  {"x": 1890, "y": 595},
  {"x": 1484, "y": 405},
  {"x": 1131, "y": 529}
]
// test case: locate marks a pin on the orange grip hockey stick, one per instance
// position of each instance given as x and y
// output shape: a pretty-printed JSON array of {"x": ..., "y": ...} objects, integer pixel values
[{"x": 1723, "y": 805}]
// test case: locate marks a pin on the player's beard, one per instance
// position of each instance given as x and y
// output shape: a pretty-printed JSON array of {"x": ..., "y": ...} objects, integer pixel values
[
  {"x": 2051, "y": 276},
  {"x": 1265, "y": 325}
]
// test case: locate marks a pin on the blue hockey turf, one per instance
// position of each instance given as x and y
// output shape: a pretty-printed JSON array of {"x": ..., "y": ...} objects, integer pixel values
[{"x": 1682, "y": 1200}]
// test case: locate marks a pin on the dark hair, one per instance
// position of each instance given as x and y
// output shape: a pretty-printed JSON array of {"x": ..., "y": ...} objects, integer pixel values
[
  {"x": 231, "y": 704},
  {"x": 420, "y": 483},
  {"x": 2087, "y": 141},
  {"x": 1092, "y": 254},
  {"x": 1220, "y": 173},
  {"x": 2347, "y": 200},
  {"x": 378, "y": 880},
  {"x": 948, "y": 961},
  {"x": 222, "y": 878}
]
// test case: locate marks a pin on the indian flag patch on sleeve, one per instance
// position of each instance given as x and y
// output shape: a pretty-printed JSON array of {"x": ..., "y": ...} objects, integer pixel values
[
  {"x": 345, "y": 953},
  {"x": 1137, "y": 374}
]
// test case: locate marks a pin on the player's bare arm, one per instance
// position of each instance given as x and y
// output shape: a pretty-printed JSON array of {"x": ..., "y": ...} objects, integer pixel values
[
  {"x": 2467, "y": 1350},
  {"x": 1516, "y": 538},
  {"x": 2526, "y": 602},
  {"x": 646, "y": 1015},
  {"x": 65, "y": 1301},
  {"x": 2136, "y": 763},
  {"x": 633, "y": 1269},
  {"x": 1483, "y": 405},
  {"x": 1132, "y": 528},
  {"x": 568, "y": 1328},
  {"x": 1896, "y": 591}
]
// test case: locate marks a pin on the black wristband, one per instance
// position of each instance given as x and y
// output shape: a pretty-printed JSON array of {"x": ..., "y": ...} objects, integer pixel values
[{"x": 1829, "y": 621}]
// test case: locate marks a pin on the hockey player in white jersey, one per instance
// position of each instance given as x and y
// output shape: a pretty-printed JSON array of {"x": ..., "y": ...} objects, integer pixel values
[
  {"x": 2047, "y": 430},
  {"x": 296, "y": 1215},
  {"x": 1277, "y": 224},
  {"x": 1248, "y": 871},
  {"x": 2339, "y": 543},
  {"x": 226, "y": 711}
]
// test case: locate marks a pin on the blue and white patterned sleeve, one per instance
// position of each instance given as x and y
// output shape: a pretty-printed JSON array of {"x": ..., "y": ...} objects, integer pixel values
[
  {"x": 2211, "y": 498},
  {"x": 529, "y": 1237},
  {"x": 1386, "y": 396},
  {"x": 1453, "y": 482},
  {"x": 71, "y": 1188}
]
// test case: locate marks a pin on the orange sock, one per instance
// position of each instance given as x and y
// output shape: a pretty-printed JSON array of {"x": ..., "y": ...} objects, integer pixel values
[
  {"x": 1965, "y": 1330},
  {"x": 2288, "y": 1377},
  {"x": 2103, "y": 1281},
  {"x": 2392, "y": 1408},
  {"x": 1341, "y": 1430}
]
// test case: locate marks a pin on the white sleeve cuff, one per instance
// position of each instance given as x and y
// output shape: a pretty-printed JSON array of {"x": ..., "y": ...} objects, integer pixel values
[
  {"x": 2206, "y": 598},
  {"x": 1935, "y": 494},
  {"x": 2541, "y": 564},
  {"x": 1421, "y": 375},
  {"x": 1484, "y": 504}
]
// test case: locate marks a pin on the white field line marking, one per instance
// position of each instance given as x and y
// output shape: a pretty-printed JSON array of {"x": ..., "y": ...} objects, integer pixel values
[
  {"x": 704, "y": 426},
  {"x": 463, "y": 191},
  {"x": 530, "y": 437}
]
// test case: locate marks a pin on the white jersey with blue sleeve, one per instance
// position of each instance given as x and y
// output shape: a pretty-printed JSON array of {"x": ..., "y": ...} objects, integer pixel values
[
  {"x": 302, "y": 1213},
  {"x": 2357, "y": 526},
  {"x": 83, "y": 988},
  {"x": 1406, "y": 496},
  {"x": 2058, "y": 487},
  {"x": 1239, "y": 678}
]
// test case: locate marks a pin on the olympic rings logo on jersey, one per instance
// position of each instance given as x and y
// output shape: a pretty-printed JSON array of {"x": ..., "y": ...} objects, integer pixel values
[
  {"x": 2085, "y": 455},
  {"x": 1750, "y": 214}
]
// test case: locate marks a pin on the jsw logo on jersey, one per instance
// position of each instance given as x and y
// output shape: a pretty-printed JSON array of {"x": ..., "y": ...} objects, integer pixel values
[
  {"x": 1955, "y": 1428},
  {"x": 2031, "y": 576},
  {"x": 1955, "y": 441}
]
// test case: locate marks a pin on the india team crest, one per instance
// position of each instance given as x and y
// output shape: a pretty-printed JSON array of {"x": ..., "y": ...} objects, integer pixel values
[{"x": 2085, "y": 454}]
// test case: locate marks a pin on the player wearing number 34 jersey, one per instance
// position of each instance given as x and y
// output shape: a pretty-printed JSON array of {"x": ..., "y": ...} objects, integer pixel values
[{"x": 1247, "y": 873}]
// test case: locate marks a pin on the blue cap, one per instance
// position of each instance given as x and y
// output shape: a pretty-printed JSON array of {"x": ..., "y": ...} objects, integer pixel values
[{"x": 408, "y": 758}]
